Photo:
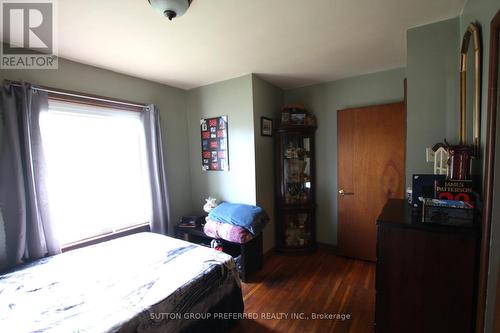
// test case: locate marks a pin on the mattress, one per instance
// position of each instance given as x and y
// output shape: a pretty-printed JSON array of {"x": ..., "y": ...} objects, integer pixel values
[{"x": 140, "y": 283}]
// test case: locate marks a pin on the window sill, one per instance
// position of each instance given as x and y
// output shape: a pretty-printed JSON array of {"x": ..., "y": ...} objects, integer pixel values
[{"x": 106, "y": 237}]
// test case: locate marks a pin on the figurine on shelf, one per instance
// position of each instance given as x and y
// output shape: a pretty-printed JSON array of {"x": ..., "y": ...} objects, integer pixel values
[
  {"x": 285, "y": 116},
  {"x": 292, "y": 193},
  {"x": 291, "y": 151},
  {"x": 301, "y": 153},
  {"x": 211, "y": 204},
  {"x": 292, "y": 237},
  {"x": 297, "y": 115},
  {"x": 293, "y": 114},
  {"x": 295, "y": 170},
  {"x": 304, "y": 196},
  {"x": 310, "y": 120}
]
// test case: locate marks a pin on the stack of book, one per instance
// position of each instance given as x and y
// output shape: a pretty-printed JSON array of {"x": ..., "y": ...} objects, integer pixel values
[
  {"x": 447, "y": 211},
  {"x": 458, "y": 190}
]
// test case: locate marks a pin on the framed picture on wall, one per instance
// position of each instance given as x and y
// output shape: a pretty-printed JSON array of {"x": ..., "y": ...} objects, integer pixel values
[
  {"x": 266, "y": 126},
  {"x": 214, "y": 144}
]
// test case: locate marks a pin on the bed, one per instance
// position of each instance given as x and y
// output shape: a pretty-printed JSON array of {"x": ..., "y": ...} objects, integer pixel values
[{"x": 140, "y": 283}]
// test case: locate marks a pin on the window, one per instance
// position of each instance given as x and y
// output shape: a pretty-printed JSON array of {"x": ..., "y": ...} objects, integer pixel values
[{"x": 98, "y": 180}]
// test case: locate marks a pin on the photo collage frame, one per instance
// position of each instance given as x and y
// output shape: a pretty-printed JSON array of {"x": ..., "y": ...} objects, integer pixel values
[{"x": 214, "y": 144}]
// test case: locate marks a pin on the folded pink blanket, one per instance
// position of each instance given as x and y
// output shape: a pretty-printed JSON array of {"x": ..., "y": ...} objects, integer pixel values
[{"x": 232, "y": 233}]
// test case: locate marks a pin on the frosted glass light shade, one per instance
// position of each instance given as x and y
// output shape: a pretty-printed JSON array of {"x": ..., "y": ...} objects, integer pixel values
[{"x": 170, "y": 8}]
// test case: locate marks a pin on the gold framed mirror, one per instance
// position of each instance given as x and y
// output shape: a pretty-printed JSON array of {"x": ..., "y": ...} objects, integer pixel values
[
  {"x": 491, "y": 144},
  {"x": 472, "y": 33}
]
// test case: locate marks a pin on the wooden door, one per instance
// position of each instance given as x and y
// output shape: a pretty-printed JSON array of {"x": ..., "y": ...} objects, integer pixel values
[{"x": 371, "y": 168}]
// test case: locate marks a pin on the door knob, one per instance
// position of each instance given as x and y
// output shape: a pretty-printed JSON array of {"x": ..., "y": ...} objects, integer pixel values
[{"x": 342, "y": 192}]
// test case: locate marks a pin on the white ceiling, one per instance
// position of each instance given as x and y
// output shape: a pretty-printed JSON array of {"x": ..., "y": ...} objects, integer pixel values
[{"x": 290, "y": 43}]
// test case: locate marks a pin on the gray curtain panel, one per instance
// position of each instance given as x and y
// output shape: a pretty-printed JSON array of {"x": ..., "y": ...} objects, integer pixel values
[
  {"x": 28, "y": 227},
  {"x": 159, "y": 194}
]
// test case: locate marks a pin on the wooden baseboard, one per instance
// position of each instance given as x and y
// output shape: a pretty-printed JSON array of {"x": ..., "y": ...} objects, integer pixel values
[
  {"x": 269, "y": 253},
  {"x": 323, "y": 246},
  {"x": 329, "y": 247}
]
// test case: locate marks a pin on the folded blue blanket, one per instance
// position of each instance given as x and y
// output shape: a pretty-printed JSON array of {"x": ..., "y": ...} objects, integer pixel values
[{"x": 252, "y": 218}]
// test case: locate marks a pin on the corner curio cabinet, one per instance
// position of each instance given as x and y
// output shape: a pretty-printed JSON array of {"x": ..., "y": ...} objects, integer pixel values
[{"x": 295, "y": 188}]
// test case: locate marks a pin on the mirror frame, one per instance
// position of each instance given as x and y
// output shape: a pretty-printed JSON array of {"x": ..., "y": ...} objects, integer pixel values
[
  {"x": 473, "y": 32},
  {"x": 493, "y": 86}
]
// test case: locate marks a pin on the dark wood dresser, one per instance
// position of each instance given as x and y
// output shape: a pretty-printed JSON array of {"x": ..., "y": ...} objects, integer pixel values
[{"x": 426, "y": 273}]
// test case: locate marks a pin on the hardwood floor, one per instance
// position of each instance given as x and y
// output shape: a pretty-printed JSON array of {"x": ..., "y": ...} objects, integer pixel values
[{"x": 320, "y": 283}]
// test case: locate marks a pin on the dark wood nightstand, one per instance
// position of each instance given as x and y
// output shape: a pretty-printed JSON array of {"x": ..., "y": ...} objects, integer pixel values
[{"x": 250, "y": 253}]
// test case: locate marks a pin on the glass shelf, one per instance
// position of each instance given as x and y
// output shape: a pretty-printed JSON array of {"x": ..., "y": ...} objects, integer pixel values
[
  {"x": 297, "y": 230},
  {"x": 296, "y": 169}
]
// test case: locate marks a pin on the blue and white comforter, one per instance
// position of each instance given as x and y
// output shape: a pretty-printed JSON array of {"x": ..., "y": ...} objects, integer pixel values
[{"x": 137, "y": 283}]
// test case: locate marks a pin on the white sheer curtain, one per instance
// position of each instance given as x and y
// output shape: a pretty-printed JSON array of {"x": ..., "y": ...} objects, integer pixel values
[
  {"x": 108, "y": 168},
  {"x": 98, "y": 160}
]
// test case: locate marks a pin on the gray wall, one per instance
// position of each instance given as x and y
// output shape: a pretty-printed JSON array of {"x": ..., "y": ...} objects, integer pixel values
[
  {"x": 267, "y": 102},
  {"x": 170, "y": 101},
  {"x": 483, "y": 11},
  {"x": 234, "y": 99},
  {"x": 324, "y": 100},
  {"x": 432, "y": 81}
]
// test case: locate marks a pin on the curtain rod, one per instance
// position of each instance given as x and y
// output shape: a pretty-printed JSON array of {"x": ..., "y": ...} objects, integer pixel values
[{"x": 79, "y": 95}]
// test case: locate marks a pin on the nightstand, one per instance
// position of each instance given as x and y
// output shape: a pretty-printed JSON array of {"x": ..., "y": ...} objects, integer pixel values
[{"x": 250, "y": 253}]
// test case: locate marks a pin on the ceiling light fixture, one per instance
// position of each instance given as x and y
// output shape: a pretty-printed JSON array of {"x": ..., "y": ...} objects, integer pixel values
[{"x": 171, "y": 8}]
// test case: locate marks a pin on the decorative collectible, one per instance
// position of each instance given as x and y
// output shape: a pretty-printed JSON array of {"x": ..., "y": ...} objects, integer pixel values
[{"x": 210, "y": 204}]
